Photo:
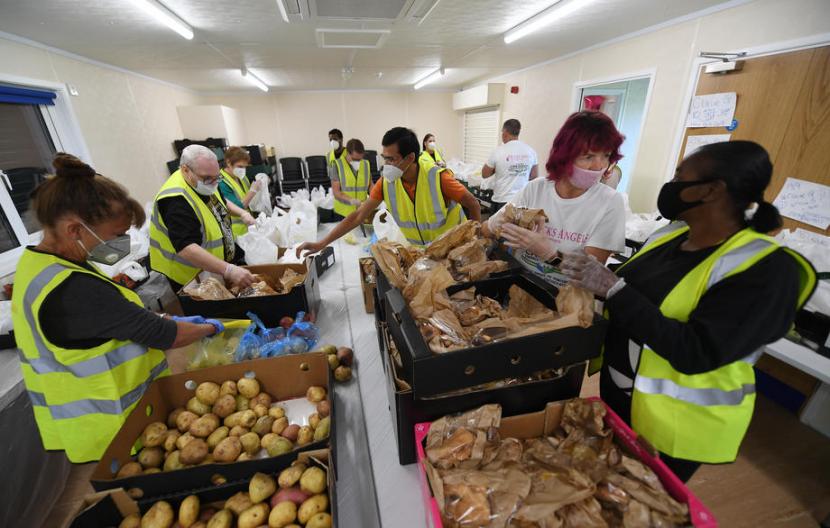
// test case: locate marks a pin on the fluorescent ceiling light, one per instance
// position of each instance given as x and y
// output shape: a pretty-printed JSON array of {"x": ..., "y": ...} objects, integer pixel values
[
  {"x": 543, "y": 18},
  {"x": 166, "y": 17},
  {"x": 431, "y": 78},
  {"x": 253, "y": 79},
  {"x": 283, "y": 12}
]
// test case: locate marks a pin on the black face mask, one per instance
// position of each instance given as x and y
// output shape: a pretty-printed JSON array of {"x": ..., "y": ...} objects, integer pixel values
[{"x": 669, "y": 202}]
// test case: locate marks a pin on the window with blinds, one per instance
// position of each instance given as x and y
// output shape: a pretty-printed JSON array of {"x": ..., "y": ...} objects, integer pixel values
[{"x": 481, "y": 134}]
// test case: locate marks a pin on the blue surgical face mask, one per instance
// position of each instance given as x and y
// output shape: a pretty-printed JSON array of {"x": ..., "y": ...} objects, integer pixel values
[{"x": 109, "y": 252}]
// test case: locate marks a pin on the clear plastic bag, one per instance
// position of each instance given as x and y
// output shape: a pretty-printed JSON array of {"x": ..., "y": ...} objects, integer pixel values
[
  {"x": 308, "y": 332},
  {"x": 219, "y": 349},
  {"x": 261, "y": 202},
  {"x": 249, "y": 345}
]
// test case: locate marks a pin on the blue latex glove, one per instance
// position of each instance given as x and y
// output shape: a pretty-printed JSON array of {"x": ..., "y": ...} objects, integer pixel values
[
  {"x": 216, "y": 324},
  {"x": 194, "y": 319}
]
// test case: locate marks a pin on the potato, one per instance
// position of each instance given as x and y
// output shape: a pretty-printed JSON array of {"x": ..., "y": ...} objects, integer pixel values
[
  {"x": 207, "y": 392},
  {"x": 194, "y": 452},
  {"x": 311, "y": 507},
  {"x": 238, "y": 503},
  {"x": 290, "y": 476},
  {"x": 183, "y": 440},
  {"x": 291, "y": 432},
  {"x": 313, "y": 480},
  {"x": 129, "y": 469},
  {"x": 204, "y": 426},
  {"x": 324, "y": 408},
  {"x": 314, "y": 420},
  {"x": 151, "y": 457},
  {"x": 172, "y": 462},
  {"x": 327, "y": 349},
  {"x": 242, "y": 403},
  {"x": 198, "y": 524},
  {"x": 208, "y": 459},
  {"x": 228, "y": 449},
  {"x": 305, "y": 435},
  {"x": 243, "y": 457},
  {"x": 238, "y": 431},
  {"x": 254, "y": 516},
  {"x": 260, "y": 410},
  {"x": 132, "y": 520},
  {"x": 206, "y": 514},
  {"x": 319, "y": 520},
  {"x": 197, "y": 407},
  {"x": 345, "y": 356},
  {"x": 221, "y": 519},
  {"x": 185, "y": 420},
  {"x": 248, "y": 387},
  {"x": 224, "y": 406},
  {"x": 153, "y": 435},
  {"x": 217, "y": 436},
  {"x": 263, "y": 425},
  {"x": 276, "y": 412},
  {"x": 150, "y": 471},
  {"x": 250, "y": 443},
  {"x": 263, "y": 398},
  {"x": 228, "y": 387},
  {"x": 323, "y": 428},
  {"x": 189, "y": 511},
  {"x": 282, "y": 515},
  {"x": 342, "y": 373},
  {"x": 279, "y": 425},
  {"x": 333, "y": 362},
  {"x": 160, "y": 515},
  {"x": 293, "y": 494},
  {"x": 279, "y": 446},
  {"x": 171, "y": 418},
  {"x": 244, "y": 418},
  {"x": 261, "y": 487},
  {"x": 315, "y": 394},
  {"x": 170, "y": 440}
]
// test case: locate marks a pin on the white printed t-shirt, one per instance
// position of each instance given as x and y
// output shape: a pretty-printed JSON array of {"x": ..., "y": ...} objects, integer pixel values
[
  {"x": 512, "y": 162},
  {"x": 595, "y": 219}
]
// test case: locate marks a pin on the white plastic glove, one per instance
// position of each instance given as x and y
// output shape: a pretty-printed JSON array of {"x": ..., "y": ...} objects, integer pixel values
[
  {"x": 248, "y": 218},
  {"x": 494, "y": 224},
  {"x": 587, "y": 272},
  {"x": 238, "y": 276},
  {"x": 355, "y": 202},
  {"x": 255, "y": 186},
  {"x": 536, "y": 242}
]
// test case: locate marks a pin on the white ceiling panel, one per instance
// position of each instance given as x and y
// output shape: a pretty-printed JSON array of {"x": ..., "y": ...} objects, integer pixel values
[{"x": 463, "y": 36}]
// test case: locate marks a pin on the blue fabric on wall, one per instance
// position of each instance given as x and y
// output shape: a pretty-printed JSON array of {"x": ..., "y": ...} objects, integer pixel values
[{"x": 16, "y": 95}]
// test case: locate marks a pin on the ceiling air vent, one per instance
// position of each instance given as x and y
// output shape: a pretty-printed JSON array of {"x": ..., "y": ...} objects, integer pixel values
[
  {"x": 351, "y": 38},
  {"x": 293, "y": 10}
]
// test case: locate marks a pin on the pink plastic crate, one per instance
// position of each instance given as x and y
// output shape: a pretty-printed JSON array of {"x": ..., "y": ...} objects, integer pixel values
[{"x": 700, "y": 515}]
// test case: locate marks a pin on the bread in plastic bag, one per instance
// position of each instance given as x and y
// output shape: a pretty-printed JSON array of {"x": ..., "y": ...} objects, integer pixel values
[{"x": 209, "y": 289}]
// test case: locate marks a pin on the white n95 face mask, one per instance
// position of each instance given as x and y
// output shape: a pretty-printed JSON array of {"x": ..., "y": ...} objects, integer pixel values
[
  {"x": 239, "y": 172},
  {"x": 355, "y": 165},
  {"x": 334, "y": 144},
  {"x": 391, "y": 173},
  {"x": 432, "y": 145},
  {"x": 205, "y": 189}
]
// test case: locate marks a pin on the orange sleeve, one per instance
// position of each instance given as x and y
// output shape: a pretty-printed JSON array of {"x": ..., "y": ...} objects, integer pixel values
[
  {"x": 452, "y": 189},
  {"x": 377, "y": 191}
]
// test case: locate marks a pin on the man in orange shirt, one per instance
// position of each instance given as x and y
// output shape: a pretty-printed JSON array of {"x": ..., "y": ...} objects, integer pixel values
[{"x": 401, "y": 150}]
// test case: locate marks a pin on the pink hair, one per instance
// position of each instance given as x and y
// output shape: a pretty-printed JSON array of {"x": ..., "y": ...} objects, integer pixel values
[{"x": 582, "y": 132}]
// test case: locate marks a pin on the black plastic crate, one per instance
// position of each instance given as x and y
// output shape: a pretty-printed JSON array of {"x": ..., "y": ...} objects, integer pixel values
[{"x": 324, "y": 260}]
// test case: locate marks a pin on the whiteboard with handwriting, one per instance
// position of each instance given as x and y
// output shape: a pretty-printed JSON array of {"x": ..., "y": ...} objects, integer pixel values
[
  {"x": 695, "y": 142},
  {"x": 713, "y": 110},
  {"x": 805, "y": 201}
]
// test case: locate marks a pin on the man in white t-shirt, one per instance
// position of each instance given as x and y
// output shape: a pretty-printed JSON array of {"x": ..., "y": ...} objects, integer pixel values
[{"x": 512, "y": 164}]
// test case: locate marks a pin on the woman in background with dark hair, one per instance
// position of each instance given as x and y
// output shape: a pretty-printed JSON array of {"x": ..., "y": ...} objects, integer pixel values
[
  {"x": 691, "y": 311},
  {"x": 430, "y": 152},
  {"x": 581, "y": 212}
]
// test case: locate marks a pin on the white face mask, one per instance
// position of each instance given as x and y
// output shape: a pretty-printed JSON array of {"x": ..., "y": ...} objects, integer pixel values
[
  {"x": 205, "y": 189},
  {"x": 391, "y": 173},
  {"x": 239, "y": 172},
  {"x": 432, "y": 145},
  {"x": 334, "y": 144},
  {"x": 355, "y": 165}
]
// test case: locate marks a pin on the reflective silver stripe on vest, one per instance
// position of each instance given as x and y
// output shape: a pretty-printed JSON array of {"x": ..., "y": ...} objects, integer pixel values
[
  {"x": 623, "y": 382},
  {"x": 169, "y": 255},
  {"x": 665, "y": 230},
  {"x": 436, "y": 205},
  {"x": 341, "y": 175},
  {"x": 46, "y": 363},
  {"x": 730, "y": 260},
  {"x": 79, "y": 408},
  {"x": 183, "y": 192},
  {"x": 704, "y": 397}
]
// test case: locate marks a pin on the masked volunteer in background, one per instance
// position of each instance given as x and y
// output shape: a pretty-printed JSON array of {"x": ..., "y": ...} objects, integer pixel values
[
  {"x": 424, "y": 199},
  {"x": 236, "y": 188},
  {"x": 691, "y": 311},
  {"x": 88, "y": 347},
  {"x": 190, "y": 229},
  {"x": 336, "y": 145},
  {"x": 581, "y": 212},
  {"x": 353, "y": 176},
  {"x": 511, "y": 165},
  {"x": 431, "y": 154}
]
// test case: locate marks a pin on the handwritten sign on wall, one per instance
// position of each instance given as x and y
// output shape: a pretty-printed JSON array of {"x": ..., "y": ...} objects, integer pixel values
[
  {"x": 805, "y": 201},
  {"x": 695, "y": 142},
  {"x": 713, "y": 110}
]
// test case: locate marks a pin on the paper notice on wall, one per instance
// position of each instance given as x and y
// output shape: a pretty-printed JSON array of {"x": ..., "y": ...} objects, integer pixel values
[
  {"x": 805, "y": 201},
  {"x": 713, "y": 110},
  {"x": 695, "y": 142}
]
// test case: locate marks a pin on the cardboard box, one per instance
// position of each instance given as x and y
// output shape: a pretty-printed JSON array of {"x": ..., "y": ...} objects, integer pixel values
[
  {"x": 283, "y": 377},
  {"x": 110, "y": 507},
  {"x": 369, "y": 286},
  {"x": 407, "y": 410},
  {"x": 429, "y": 373},
  {"x": 270, "y": 308},
  {"x": 543, "y": 423}
]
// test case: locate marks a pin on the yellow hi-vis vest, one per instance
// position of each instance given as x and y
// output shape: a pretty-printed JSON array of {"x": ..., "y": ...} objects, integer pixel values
[
  {"x": 426, "y": 157},
  {"x": 80, "y": 397},
  {"x": 331, "y": 158},
  {"x": 163, "y": 256},
  {"x": 430, "y": 216},
  {"x": 354, "y": 186},
  {"x": 703, "y": 417},
  {"x": 240, "y": 189}
]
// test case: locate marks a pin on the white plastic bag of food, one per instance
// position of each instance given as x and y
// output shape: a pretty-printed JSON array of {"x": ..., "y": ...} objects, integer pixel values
[
  {"x": 258, "y": 249},
  {"x": 386, "y": 228},
  {"x": 302, "y": 221},
  {"x": 261, "y": 202}
]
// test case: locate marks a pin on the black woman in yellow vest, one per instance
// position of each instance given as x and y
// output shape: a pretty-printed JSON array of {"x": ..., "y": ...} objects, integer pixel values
[
  {"x": 425, "y": 200},
  {"x": 431, "y": 153},
  {"x": 236, "y": 188},
  {"x": 691, "y": 312},
  {"x": 88, "y": 348},
  {"x": 350, "y": 186}
]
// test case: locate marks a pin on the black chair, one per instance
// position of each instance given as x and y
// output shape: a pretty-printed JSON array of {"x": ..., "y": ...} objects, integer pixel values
[
  {"x": 372, "y": 157},
  {"x": 292, "y": 175},
  {"x": 318, "y": 172}
]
